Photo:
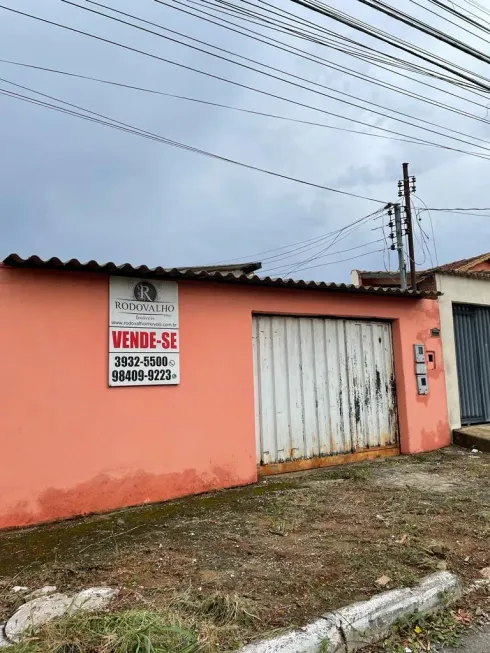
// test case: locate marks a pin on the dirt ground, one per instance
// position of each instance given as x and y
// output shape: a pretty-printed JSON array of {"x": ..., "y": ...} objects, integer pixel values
[{"x": 283, "y": 551}]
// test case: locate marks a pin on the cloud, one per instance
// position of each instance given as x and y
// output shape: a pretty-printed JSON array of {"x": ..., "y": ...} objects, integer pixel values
[{"x": 76, "y": 189}]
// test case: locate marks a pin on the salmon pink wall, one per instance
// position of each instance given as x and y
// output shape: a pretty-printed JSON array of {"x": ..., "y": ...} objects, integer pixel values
[{"x": 72, "y": 445}]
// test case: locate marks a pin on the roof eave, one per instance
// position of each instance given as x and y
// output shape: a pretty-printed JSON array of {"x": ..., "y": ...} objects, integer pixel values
[{"x": 73, "y": 265}]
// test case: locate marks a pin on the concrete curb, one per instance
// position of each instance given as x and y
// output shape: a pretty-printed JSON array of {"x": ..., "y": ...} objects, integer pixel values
[{"x": 359, "y": 624}]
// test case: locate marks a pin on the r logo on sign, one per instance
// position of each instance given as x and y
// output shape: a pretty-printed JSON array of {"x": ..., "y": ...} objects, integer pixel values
[{"x": 144, "y": 291}]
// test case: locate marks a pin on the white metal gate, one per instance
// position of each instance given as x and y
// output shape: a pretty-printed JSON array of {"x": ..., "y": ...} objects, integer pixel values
[{"x": 322, "y": 387}]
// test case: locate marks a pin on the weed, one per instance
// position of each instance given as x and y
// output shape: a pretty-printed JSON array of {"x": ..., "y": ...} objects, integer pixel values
[
  {"x": 324, "y": 646},
  {"x": 484, "y": 515},
  {"x": 219, "y": 607},
  {"x": 419, "y": 632},
  {"x": 361, "y": 473},
  {"x": 121, "y": 632},
  {"x": 358, "y": 472},
  {"x": 419, "y": 458},
  {"x": 476, "y": 470}
]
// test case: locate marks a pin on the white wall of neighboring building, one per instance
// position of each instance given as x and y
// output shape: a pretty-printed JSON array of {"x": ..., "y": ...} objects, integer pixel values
[
  {"x": 456, "y": 290},
  {"x": 354, "y": 277}
]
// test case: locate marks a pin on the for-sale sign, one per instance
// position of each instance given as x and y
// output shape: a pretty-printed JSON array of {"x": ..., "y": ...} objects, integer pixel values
[{"x": 143, "y": 332}]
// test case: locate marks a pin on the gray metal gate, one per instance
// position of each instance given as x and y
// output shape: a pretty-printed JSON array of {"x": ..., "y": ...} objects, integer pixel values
[
  {"x": 323, "y": 386},
  {"x": 472, "y": 337}
]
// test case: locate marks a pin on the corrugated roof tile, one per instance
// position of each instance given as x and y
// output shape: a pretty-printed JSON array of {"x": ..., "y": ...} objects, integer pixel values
[{"x": 198, "y": 274}]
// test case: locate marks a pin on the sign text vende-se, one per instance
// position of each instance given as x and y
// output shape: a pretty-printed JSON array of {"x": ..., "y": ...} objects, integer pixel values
[{"x": 143, "y": 332}]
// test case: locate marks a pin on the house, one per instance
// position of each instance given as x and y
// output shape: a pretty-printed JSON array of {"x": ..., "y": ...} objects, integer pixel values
[
  {"x": 123, "y": 385},
  {"x": 464, "y": 305},
  {"x": 391, "y": 278}
]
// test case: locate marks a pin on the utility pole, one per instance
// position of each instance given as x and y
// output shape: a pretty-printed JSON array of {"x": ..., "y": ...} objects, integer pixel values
[
  {"x": 399, "y": 245},
  {"x": 408, "y": 217}
]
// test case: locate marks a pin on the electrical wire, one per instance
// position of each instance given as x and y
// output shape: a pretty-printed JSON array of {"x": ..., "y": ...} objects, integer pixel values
[
  {"x": 207, "y": 74},
  {"x": 156, "y": 137},
  {"x": 414, "y": 234},
  {"x": 340, "y": 236},
  {"x": 423, "y": 239},
  {"x": 471, "y": 13},
  {"x": 415, "y": 23},
  {"x": 316, "y": 242},
  {"x": 419, "y": 219},
  {"x": 297, "y": 27},
  {"x": 215, "y": 104},
  {"x": 478, "y": 6},
  {"x": 330, "y": 64},
  {"x": 457, "y": 210},
  {"x": 283, "y": 72},
  {"x": 340, "y": 251},
  {"x": 321, "y": 254},
  {"x": 391, "y": 61},
  {"x": 434, "y": 242},
  {"x": 461, "y": 16},
  {"x": 351, "y": 258},
  {"x": 387, "y": 249},
  {"x": 275, "y": 249},
  {"x": 396, "y": 43},
  {"x": 482, "y": 38},
  {"x": 243, "y": 13}
]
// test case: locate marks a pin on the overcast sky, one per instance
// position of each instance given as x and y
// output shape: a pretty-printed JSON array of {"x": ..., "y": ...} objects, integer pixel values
[{"x": 72, "y": 188}]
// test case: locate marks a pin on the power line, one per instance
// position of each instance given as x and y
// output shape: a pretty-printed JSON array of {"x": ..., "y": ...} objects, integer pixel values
[
  {"x": 387, "y": 248},
  {"x": 235, "y": 83},
  {"x": 461, "y": 16},
  {"x": 340, "y": 251},
  {"x": 396, "y": 43},
  {"x": 299, "y": 28},
  {"x": 161, "y": 139},
  {"x": 351, "y": 258},
  {"x": 321, "y": 254},
  {"x": 448, "y": 20},
  {"x": 457, "y": 210},
  {"x": 313, "y": 241},
  {"x": 472, "y": 13},
  {"x": 269, "y": 75},
  {"x": 330, "y": 64},
  {"x": 476, "y": 215},
  {"x": 478, "y": 6},
  {"x": 392, "y": 61},
  {"x": 424, "y": 27},
  {"x": 246, "y": 14},
  {"x": 434, "y": 243},
  {"x": 318, "y": 242},
  {"x": 340, "y": 234},
  {"x": 217, "y": 104},
  {"x": 272, "y": 25},
  {"x": 411, "y": 21},
  {"x": 424, "y": 238}
]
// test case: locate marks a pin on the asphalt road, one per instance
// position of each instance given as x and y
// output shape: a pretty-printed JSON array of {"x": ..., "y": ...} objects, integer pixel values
[{"x": 477, "y": 642}]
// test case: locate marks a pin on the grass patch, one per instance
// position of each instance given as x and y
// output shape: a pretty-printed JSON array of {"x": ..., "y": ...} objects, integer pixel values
[
  {"x": 356, "y": 472},
  {"x": 135, "y": 631},
  {"x": 420, "y": 632},
  {"x": 221, "y": 608}
]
